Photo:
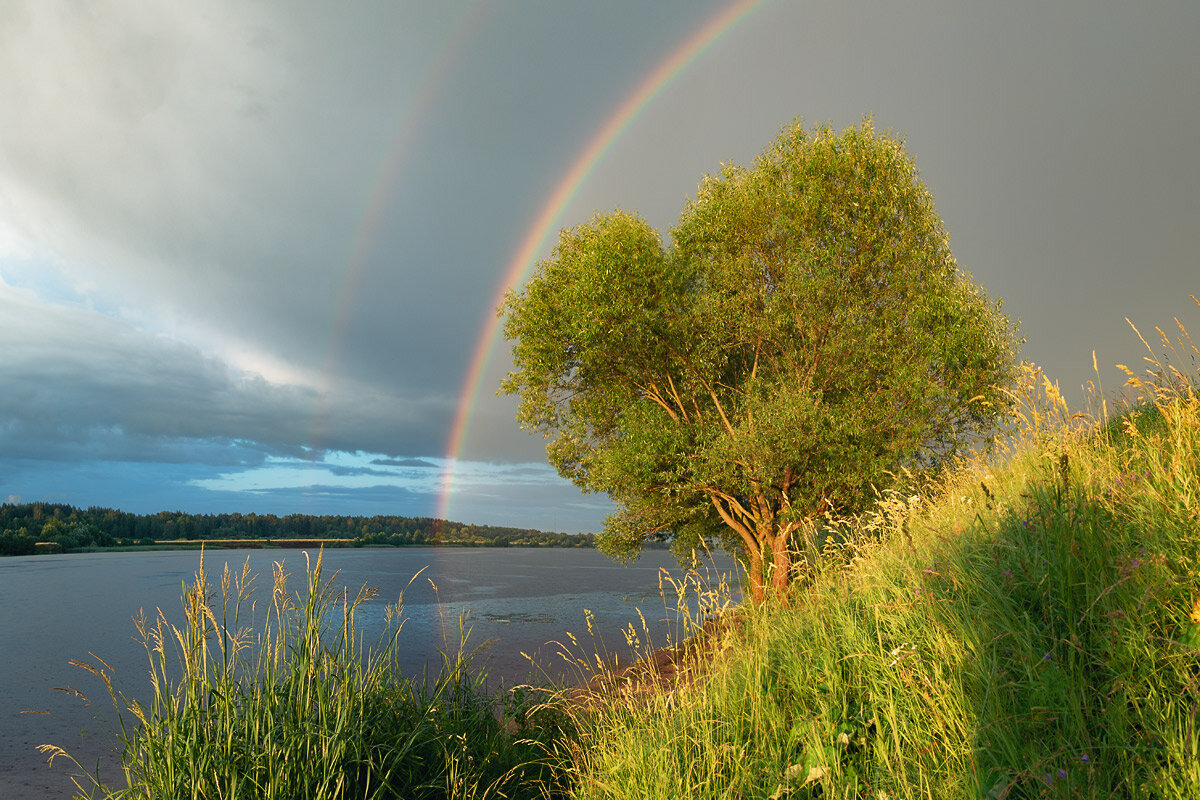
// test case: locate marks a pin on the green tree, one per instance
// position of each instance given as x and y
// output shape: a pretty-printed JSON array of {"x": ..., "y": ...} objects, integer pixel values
[
  {"x": 16, "y": 543},
  {"x": 55, "y": 530},
  {"x": 805, "y": 334}
]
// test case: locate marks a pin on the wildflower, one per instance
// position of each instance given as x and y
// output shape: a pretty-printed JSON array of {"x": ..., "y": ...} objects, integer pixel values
[
  {"x": 1062, "y": 773},
  {"x": 902, "y": 652},
  {"x": 1046, "y": 657},
  {"x": 1196, "y": 611},
  {"x": 1084, "y": 758}
]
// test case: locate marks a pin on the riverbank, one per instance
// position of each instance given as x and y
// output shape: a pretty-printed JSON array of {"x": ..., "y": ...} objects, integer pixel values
[
  {"x": 52, "y": 548},
  {"x": 517, "y": 600},
  {"x": 1025, "y": 627},
  {"x": 55, "y": 548}
]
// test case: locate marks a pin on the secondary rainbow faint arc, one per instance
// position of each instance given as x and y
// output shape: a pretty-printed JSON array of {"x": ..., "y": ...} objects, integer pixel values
[
  {"x": 545, "y": 224},
  {"x": 392, "y": 163}
]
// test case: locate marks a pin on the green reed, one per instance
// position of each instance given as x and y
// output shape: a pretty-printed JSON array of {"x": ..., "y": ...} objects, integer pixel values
[{"x": 299, "y": 707}]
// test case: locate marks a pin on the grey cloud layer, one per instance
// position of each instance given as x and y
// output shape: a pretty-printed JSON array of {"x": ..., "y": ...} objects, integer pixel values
[
  {"x": 81, "y": 384},
  {"x": 235, "y": 232}
]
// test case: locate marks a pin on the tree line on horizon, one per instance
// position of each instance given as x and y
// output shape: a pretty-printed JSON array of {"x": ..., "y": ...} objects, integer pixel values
[{"x": 23, "y": 525}]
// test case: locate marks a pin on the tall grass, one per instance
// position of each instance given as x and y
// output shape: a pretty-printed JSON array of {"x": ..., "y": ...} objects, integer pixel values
[
  {"x": 1025, "y": 626},
  {"x": 297, "y": 707}
]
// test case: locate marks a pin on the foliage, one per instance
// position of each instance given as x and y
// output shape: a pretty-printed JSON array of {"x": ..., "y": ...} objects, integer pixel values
[
  {"x": 16, "y": 542},
  {"x": 805, "y": 335}
]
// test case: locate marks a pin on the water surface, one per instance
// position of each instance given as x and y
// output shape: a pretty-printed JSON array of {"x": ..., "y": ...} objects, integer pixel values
[{"x": 80, "y": 606}]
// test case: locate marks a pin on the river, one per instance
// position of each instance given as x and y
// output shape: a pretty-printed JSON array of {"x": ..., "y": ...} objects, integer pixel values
[{"x": 54, "y": 609}]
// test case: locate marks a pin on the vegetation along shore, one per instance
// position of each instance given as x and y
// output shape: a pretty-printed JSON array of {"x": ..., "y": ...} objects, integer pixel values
[
  {"x": 1023, "y": 625},
  {"x": 27, "y": 528}
]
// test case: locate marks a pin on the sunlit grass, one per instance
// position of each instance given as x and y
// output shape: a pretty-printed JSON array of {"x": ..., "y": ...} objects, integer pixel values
[
  {"x": 298, "y": 707},
  {"x": 1025, "y": 626}
]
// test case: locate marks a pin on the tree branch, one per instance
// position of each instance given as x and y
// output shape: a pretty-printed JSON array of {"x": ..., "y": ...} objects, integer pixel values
[{"x": 651, "y": 392}]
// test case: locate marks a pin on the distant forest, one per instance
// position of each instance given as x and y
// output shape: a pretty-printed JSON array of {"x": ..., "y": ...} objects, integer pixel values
[{"x": 53, "y": 527}]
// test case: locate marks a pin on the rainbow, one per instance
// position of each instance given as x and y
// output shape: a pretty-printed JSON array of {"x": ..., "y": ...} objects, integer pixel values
[
  {"x": 392, "y": 163},
  {"x": 547, "y": 220}
]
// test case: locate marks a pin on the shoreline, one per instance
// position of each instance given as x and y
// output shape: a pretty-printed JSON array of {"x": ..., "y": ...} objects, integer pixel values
[{"x": 518, "y": 599}]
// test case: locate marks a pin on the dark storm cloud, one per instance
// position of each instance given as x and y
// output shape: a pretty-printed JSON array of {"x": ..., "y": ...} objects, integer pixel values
[
  {"x": 404, "y": 462},
  {"x": 78, "y": 384},
  {"x": 225, "y": 178},
  {"x": 257, "y": 226}
]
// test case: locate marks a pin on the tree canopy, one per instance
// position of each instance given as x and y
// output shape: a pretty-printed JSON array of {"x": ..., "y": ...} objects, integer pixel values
[{"x": 805, "y": 334}]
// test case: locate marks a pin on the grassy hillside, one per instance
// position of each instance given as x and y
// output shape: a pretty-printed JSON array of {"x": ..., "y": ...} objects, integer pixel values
[{"x": 1026, "y": 627}]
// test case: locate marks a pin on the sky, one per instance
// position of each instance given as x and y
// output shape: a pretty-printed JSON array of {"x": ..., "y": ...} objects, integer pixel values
[{"x": 251, "y": 252}]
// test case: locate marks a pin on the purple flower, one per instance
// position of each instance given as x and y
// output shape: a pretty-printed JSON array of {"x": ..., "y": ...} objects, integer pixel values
[
  {"x": 1046, "y": 657},
  {"x": 1084, "y": 758},
  {"x": 1062, "y": 773}
]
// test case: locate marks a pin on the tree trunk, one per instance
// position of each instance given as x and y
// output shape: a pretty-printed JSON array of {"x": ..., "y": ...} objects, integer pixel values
[
  {"x": 756, "y": 540},
  {"x": 757, "y": 584},
  {"x": 769, "y": 553},
  {"x": 781, "y": 574}
]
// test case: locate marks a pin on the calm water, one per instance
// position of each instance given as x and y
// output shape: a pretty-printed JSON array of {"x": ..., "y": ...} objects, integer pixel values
[{"x": 57, "y": 608}]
